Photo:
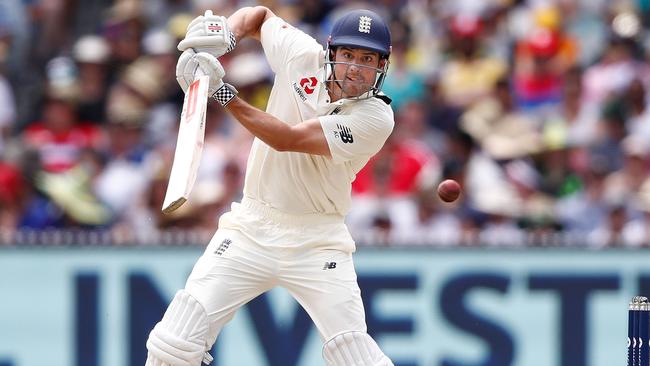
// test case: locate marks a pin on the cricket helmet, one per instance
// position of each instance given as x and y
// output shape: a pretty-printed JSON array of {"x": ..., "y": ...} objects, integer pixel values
[{"x": 361, "y": 29}]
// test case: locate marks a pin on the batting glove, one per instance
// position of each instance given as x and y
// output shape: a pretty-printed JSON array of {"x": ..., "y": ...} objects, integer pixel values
[
  {"x": 191, "y": 65},
  {"x": 209, "y": 33}
]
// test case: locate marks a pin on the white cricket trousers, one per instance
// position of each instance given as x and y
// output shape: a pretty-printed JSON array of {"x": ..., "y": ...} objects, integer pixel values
[{"x": 234, "y": 269}]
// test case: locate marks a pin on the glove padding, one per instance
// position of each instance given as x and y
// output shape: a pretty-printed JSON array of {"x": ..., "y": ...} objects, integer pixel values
[
  {"x": 191, "y": 65},
  {"x": 209, "y": 33}
]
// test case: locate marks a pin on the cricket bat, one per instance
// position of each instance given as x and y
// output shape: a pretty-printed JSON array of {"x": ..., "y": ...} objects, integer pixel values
[{"x": 189, "y": 145}]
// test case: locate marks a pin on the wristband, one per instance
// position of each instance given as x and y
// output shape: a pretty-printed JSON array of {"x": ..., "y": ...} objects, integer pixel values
[
  {"x": 225, "y": 94},
  {"x": 233, "y": 41}
]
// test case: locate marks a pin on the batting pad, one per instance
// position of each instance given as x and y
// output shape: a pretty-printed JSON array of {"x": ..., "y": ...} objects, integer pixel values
[
  {"x": 179, "y": 339},
  {"x": 354, "y": 349}
]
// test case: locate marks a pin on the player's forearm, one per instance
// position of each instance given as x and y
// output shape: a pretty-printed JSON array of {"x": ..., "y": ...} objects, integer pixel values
[
  {"x": 264, "y": 126},
  {"x": 247, "y": 22}
]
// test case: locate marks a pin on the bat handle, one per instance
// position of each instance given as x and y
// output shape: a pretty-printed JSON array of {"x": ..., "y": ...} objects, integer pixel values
[{"x": 198, "y": 73}]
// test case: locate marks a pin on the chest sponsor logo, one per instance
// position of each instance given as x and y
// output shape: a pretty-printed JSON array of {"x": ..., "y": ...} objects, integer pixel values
[
  {"x": 308, "y": 84},
  {"x": 344, "y": 133}
]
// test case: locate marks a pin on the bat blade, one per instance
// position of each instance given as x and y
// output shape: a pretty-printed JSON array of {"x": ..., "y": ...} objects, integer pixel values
[{"x": 189, "y": 145}]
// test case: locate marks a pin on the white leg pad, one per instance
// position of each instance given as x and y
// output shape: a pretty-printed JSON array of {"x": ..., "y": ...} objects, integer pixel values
[
  {"x": 354, "y": 349},
  {"x": 179, "y": 339}
]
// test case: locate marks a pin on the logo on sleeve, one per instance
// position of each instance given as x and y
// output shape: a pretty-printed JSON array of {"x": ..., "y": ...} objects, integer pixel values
[
  {"x": 344, "y": 133},
  {"x": 364, "y": 24}
]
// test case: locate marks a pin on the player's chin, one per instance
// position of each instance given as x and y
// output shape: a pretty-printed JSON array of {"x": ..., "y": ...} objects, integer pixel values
[{"x": 352, "y": 91}]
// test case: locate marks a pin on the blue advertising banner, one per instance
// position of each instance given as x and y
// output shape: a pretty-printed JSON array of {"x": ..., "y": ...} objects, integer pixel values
[{"x": 95, "y": 307}]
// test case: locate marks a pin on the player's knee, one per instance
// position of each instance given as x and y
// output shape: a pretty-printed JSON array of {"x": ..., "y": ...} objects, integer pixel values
[
  {"x": 354, "y": 349},
  {"x": 179, "y": 339}
]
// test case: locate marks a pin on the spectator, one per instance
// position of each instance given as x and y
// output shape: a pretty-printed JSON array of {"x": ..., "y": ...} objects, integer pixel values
[
  {"x": 60, "y": 135},
  {"x": 442, "y": 118},
  {"x": 7, "y": 106},
  {"x": 123, "y": 179},
  {"x": 468, "y": 76},
  {"x": 538, "y": 69},
  {"x": 573, "y": 123},
  {"x": 636, "y": 233},
  {"x": 622, "y": 183},
  {"x": 11, "y": 195},
  {"x": 638, "y": 113},
  {"x": 91, "y": 54},
  {"x": 403, "y": 83},
  {"x": 585, "y": 209},
  {"x": 124, "y": 29},
  {"x": 610, "y": 234},
  {"x": 437, "y": 223},
  {"x": 502, "y": 131},
  {"x": 613, "y": 72}
]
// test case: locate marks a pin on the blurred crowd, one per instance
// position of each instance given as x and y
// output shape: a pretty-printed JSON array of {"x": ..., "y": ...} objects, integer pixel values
[{"x": 538, "y": 108}]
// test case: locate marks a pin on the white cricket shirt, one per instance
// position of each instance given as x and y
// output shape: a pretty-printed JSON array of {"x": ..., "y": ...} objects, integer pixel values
[{"x": 299, "y": 183}]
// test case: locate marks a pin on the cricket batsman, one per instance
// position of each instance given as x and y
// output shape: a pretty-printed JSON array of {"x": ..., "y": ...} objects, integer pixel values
[{"x": 326, "y": 117}]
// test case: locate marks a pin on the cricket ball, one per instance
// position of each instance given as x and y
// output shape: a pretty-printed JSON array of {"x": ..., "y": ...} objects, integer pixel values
[{"x": 449, "y": 190}]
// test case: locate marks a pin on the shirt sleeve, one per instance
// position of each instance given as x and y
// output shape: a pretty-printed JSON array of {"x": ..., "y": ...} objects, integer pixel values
[
  {"x": 359, "y": 134},
  {"x": 282, "y": 42}
]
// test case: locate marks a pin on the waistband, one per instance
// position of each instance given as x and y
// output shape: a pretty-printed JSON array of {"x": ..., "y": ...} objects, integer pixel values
[{"x": 276, "y": 215}]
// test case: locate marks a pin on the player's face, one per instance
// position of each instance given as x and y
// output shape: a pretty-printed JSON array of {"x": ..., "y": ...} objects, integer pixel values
[{"x": 356, "y": 70}]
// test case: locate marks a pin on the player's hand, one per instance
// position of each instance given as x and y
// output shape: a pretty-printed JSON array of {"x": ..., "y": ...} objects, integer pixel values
[
  {"x": 191, "y": 65},
  {"x": 187, "y": 68},
  {"x": 209, "y": 65},
  {"x": 209, "y": 33}
]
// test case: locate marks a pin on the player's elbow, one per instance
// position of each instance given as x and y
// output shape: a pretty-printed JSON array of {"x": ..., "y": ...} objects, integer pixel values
[
  {"x": 285, "y": 138},
  {"x": 282, "y": 145}
]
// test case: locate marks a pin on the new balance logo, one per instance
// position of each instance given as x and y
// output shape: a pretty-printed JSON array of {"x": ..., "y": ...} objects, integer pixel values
[
  {"x": 345, "y": 134},
  {"x": 329, "y": 265},
  {"x": 364, "y": 24},
  {"x": 223, "y": 246}
]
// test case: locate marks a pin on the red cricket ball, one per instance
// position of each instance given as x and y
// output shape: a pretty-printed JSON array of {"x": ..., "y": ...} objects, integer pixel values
[{"x": 449, "y": 190}]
